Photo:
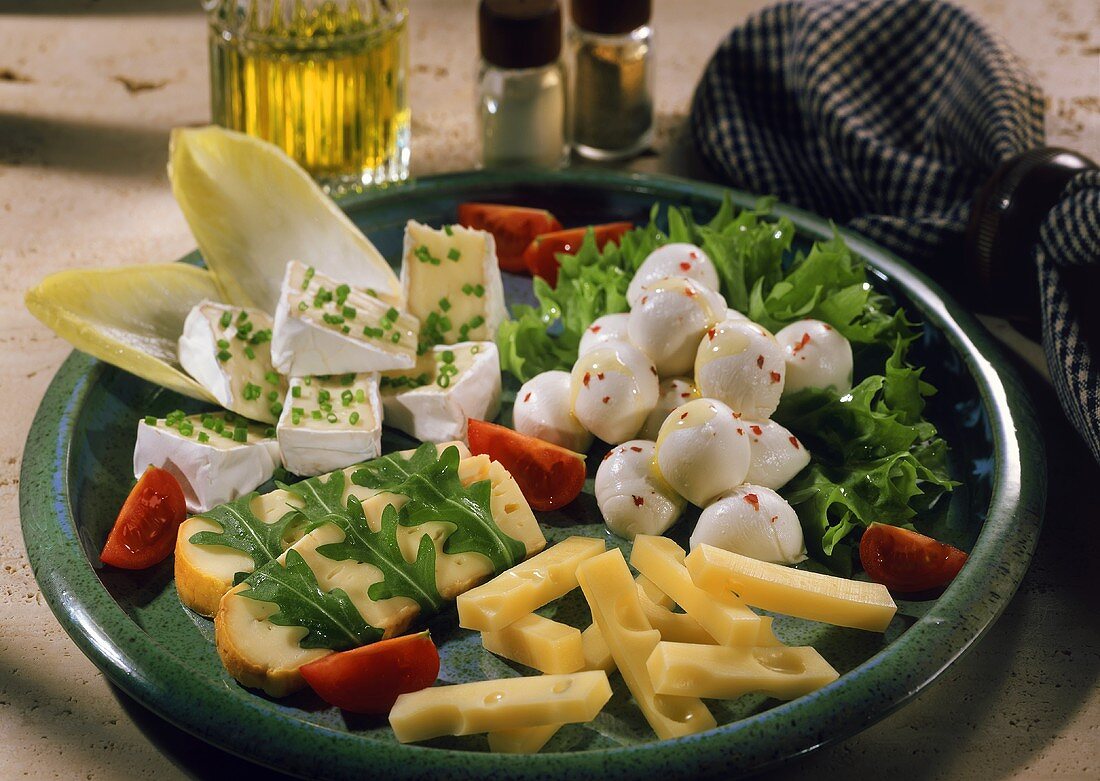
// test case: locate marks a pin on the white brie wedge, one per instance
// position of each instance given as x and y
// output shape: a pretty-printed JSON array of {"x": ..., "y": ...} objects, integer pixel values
[{"x": 330, "y": 422}]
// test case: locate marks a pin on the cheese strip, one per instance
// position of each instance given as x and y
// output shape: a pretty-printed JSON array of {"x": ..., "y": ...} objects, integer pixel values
[
  {"x": 508, "y": 703},
  {"x": 264, "y": 655},
  {"x": 780, "y": 589},
  {"x": 527, "y": 586},
  {"x": 613, "y": 598},
  {"x": 539, "y": 642},
  {"x": 727, "y": 672},
  {"x": 522, "y": 740},
  {"x": 649, "y": 589},
  {"x": 727, "y": 619},
  {"x": 204, "y": 573}
]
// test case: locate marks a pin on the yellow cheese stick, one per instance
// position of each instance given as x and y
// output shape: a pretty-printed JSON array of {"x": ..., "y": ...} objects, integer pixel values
[
  {"x": 727, "y": 672},
  {"x": 727, "y": 619},
  {"x": 649, "y": 589},
  {"x": 522, "y": 740},
  {"x": 613, "y": 598},
  {"x": 508, "y": 703},
  {"x": 527, "y": 586},
  {"x": 539, "y": 642},
  {"x": 809, "y": 595}
]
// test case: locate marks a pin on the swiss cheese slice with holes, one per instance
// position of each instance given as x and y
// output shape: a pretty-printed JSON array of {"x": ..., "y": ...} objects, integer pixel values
[
  {"x": 204, "y": 573},
  {"x": 265, "y": 655}
]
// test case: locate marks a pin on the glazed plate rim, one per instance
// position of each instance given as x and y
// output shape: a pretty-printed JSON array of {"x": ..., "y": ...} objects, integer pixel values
[{"x": 238, "y": 721}]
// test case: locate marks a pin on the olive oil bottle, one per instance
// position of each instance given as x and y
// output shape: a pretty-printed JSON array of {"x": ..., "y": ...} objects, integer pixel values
[{"x": 323, "y": 80}]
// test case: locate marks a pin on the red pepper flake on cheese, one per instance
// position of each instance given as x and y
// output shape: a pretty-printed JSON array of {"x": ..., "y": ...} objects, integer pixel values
[
  {"x": 595, "y": 328},
  {"x": 802, "y": 343},
  {"x": 760, "y": 362},
  {"x": 710, "y": 334},
  {"x": 636, "y": 449},
  {"x": 527, "y": 397},
  {"x": 776, "y": 376},
  {"x": 606, "y": 399},
  {"x": 587, "y": 379},
  {"x": 638, "y": 500},
  {"x": 599, "y": 375},
  {"x": 794, "y": 441},
  {"x": 754, "y": 500},
  {"x": 685, "y": 266},
  {"x": 683, "y": 416},
  {"x": 757, "y": 430},
  {"x": 775, "y": 518}
]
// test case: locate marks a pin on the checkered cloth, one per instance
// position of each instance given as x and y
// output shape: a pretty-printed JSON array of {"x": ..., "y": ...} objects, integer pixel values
[{"x": 887, "y": 115}]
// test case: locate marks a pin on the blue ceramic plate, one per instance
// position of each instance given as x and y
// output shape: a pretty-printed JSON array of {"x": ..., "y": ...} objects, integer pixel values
[{"x": 77, "y": 470}]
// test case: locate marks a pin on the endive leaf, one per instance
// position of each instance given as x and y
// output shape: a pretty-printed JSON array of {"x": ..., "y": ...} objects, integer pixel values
[
  {"x": 131, "y": 317},
  {"x": 252, "y": 209}
]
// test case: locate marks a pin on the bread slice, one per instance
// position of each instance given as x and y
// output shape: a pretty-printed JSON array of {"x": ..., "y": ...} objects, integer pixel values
[
  {"x": 204, "y": 573},
  {"x": 267, "y": 656}
]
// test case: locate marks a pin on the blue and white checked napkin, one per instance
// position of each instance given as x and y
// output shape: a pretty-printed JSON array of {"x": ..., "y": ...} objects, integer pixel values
[{"x": 887, "y": 116}]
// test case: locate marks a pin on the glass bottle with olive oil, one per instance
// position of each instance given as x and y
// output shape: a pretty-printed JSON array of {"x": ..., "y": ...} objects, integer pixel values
[{"x": 323, "y": 80}]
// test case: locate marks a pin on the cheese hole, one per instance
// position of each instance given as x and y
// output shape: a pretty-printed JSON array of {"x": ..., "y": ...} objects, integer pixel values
[
  {"x": 674, "y": 708},
  {"x": 494, "y": 698},
  {"x": 779, "y": 660},
  {"x": 629, "y": 618},
  {"x": 511, "y": 507},
  {"x": 561, "y": 687},
  {"x": 534, "y": 574}
]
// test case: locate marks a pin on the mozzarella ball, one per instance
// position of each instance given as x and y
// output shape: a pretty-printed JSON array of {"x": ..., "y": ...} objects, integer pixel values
[
  {"x": 670, "y": 318},
  {"x": 753, "y": 521},
  {"x": 671, "y": 393},
  {"x": 673, "y": 260},
  {"x": 613, "y": 389},
  {"x": 632, "y": 496},
  {"x": 542, "y": 410},
  {"x": 776, "y": 454},
  {"x": 609, "y": 328},
  {"x": 740, "y": 363},
  {"x": 817, "y": 356},
  {"x": 703, "y": 450}
]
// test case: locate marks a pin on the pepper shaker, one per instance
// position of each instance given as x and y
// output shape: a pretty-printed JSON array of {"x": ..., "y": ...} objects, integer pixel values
[
  {"x": 522, "y": 102},
  {"x": 612, "y": 47}
]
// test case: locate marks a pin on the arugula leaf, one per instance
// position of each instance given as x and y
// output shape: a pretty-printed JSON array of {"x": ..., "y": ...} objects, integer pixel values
[
  {"x": 330, "y": 618},
  {"x": 430, "y": 481},
  {"x": 381, "y": 548},
  {"x": 322, "y": 499},
  {"x": 243, "y": 531}
]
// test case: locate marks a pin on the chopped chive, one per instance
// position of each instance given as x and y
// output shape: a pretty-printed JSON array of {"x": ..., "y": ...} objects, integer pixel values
[
  {"x": 296, "y": 391},
  {"x": 272, "y": 378},
  {"x": 479, "y": 290},
  {"x": 347, "y": 397},
  {"x": 242, "y": 316},
  {"x": 445, "y": 324},
  {"x": 261, "y": 336},
  {"x": 240, "y": 434},
  {"x": 150, "y": 420},
  {"x": 187, "y": 428},
  {"x": 308, "y": 277},
  {"x": 353, "y": 419},
  {"x": 223, "y": 344},
  {"x": 302, "y": 306},
  {"x": 219, "y": 426},
  {"x": 348, "y": 312},
  {"x": 315, "y": 414},
  {"x": 395, "y": 337},
  {"x": 361, "y": 395},
  {"x": 252, "y": 392},
  {"x": 204, "y": 437},
  {"x": 269, "y": 431},
  {"x": 332, "y": 319},
  {"x": 345, "y": 329},
  {"x": 392, "y": 313},
  {"x": 468, "y": 289},
  {"x": 308, "y": 380},
  {"x": 244, "y": 330},
  {"x": 249, "y": 353},
  {"x": 454, "y": 254},
  {"x": 443, "y": 380},
  {"x": 296, "y": 415},
  {"x": 448, "y": 230},
  {"x": 273, "y": 396},
  {"x": 342, "y": 292},
  {"x": 276, "y": 409},
  {"x": 227, "y": 318},
  {"x": 475, "y": 350},
  {"x": 323, "y": 396},
  {"x": 224, "y": 356},
  {"x": 447, "y": 356},
  {"x": 331, "y": 418},
  {"x": 424, "y": 256},
  {"x": 477, "y": 321},
  {"x": 208, "y": 421},
  {"x": 372, "y": 292},
  {"x": 347, "y": 379},
  {"x": 445, "y": 304}
]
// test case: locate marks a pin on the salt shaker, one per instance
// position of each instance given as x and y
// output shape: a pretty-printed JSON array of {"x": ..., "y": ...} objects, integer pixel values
[
  {"x": 522, "y": 102},
  {"x": 612, "y": 47}
]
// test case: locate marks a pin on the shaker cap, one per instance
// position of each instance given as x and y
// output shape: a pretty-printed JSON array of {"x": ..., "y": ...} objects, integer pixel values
[
  {"x": 611, "y": 17},
  {"x": 519, "y": 33}
]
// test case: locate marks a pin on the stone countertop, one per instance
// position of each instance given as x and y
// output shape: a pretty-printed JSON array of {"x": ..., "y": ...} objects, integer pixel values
[{"x": 88, "y": 93}]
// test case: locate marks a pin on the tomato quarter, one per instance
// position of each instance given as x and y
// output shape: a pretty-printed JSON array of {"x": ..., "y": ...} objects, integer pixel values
[
  {"x": 371, "y": 678},
  {"x": 549, "y": 476},
  {"x": 144, "y": 533},
  {"x": 540, "y": 256},
  {"x": 513, "y": 228},
  {"x": 907, "y": 562}
]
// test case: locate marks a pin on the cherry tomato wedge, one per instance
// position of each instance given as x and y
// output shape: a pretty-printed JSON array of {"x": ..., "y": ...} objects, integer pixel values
[
  {"x": 145, "y": 530},
  {"x": 370, "y": 679},
  {"x": 513, "y": 227},
  {"x": 549, "y": 476},
  {"x": 540, "y": 255},
  {"x": 907, "y": 562}
]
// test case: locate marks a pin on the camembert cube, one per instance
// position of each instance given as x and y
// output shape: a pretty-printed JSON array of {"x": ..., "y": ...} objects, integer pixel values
[
  {"x": 325, "y": 326},
  {"x": 215, "y": 456},
  {"x": 227, "y": 350},
  {"x": 330, "y": 422}
]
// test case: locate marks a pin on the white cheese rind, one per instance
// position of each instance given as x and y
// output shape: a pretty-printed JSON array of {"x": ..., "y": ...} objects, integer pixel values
[
  {"x": 228, "y": 379},
  {"x": 542, "y": 410},
  {"x": 817, "y": 356},
  {"x": 313, "y": 447},
  {"x": 777, "y": 455},
  {"x": 210, "y": 473},
  {"x": 303, "y": 343},
  {"x": 425, "y": 283},
  {"x": 432, "y": 413}
]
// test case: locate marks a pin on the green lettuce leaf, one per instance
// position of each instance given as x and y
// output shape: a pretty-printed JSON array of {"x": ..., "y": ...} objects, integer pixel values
[
  {"x": 430, "y": 481},
  {"x": 381, "y": 548},
  {"x": 243, "y": 531},
  {"x": 330, "y": 617}
]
